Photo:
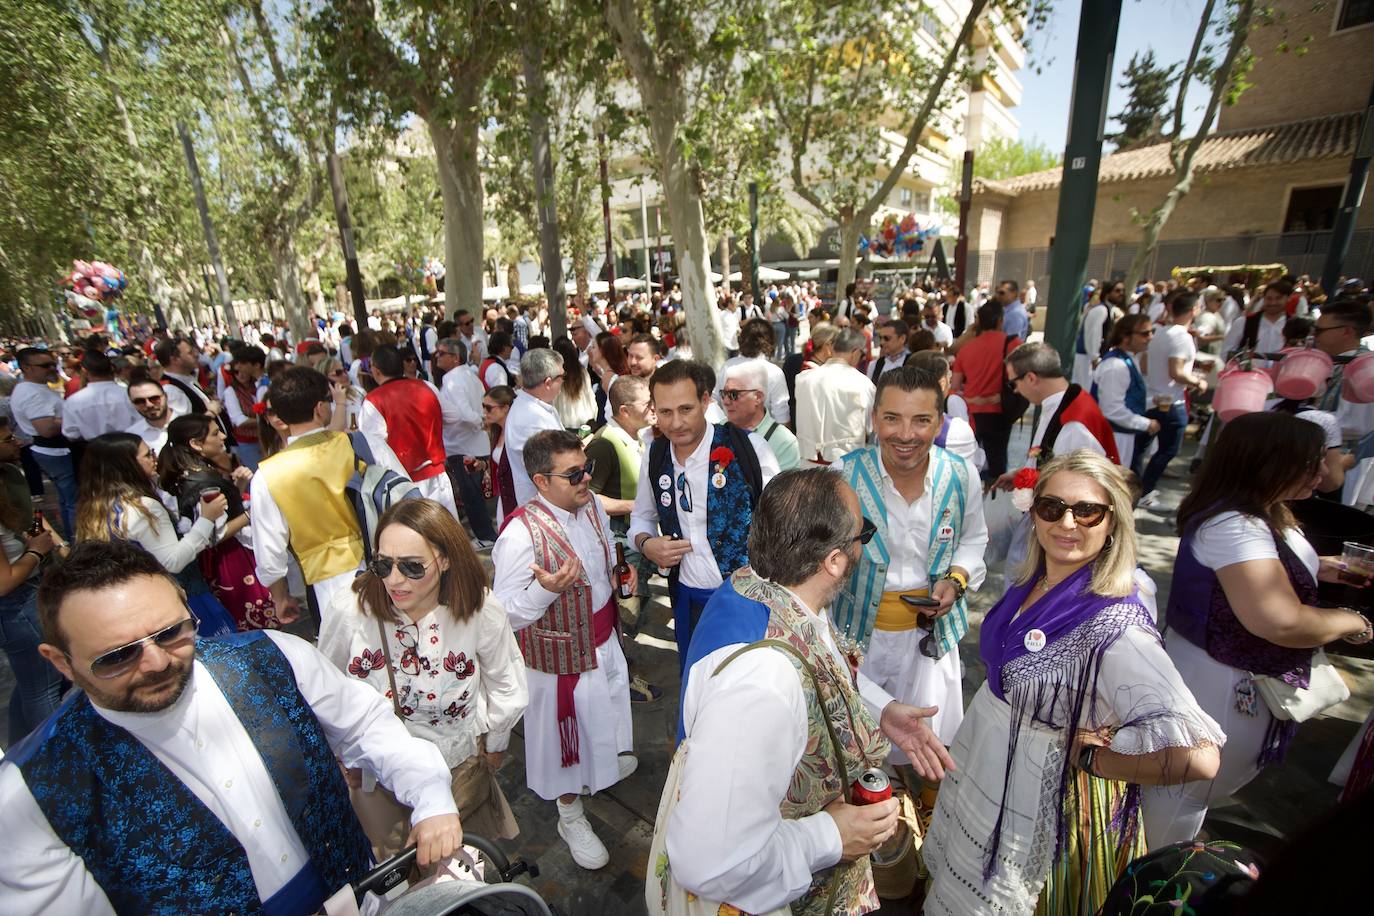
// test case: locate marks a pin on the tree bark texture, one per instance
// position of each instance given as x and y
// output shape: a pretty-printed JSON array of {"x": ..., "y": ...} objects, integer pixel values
[
  {"x": 541, "y": 162},
  {"x": 460, "y": 185}
]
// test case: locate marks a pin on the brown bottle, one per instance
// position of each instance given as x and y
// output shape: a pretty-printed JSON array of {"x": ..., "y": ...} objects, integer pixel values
[
  {"x": 37, "y": 527},
  {"x": 622, "y": 573}
]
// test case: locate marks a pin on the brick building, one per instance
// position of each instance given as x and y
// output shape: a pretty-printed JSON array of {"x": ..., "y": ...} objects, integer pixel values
[{"x": 1268, "y": 184}]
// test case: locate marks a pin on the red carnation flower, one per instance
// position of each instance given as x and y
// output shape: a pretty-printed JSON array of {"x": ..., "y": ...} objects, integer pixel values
[
  {"x": 1025, "y": 479},
  {"x": 722, "y": 456},
  {"x": 260, "y": 408}
]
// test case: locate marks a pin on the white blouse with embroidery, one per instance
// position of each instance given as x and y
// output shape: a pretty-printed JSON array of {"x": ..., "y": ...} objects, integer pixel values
[{"x": 458, "y": 680}]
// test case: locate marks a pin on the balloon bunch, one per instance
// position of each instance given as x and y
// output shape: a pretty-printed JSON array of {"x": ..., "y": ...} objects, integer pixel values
[
  {"x": 93, "y": 283},
  {"x": 434, "y": 268},
  {"x": 898, "y": 237}
]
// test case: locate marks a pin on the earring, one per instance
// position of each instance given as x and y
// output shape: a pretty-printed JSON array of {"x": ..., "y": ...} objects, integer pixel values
[{"x": 1110, "y": 541}]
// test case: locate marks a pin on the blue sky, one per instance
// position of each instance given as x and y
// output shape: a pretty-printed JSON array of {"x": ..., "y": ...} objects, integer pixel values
[{"x": 1167, "y": 26}]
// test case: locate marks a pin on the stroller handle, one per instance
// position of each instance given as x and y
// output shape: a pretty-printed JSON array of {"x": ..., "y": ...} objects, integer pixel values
[{"x": 394, "y": 870}]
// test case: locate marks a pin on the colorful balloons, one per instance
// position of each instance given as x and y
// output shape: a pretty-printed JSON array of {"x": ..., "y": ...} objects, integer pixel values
[
  {"x": 898, "y": 237},
  {"x": 93, "y": 282}
]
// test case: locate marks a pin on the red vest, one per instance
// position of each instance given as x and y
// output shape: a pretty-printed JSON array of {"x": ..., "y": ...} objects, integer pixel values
[
  {"x": 414, "y": 425},
  {"x": 1083, "y": 409}
]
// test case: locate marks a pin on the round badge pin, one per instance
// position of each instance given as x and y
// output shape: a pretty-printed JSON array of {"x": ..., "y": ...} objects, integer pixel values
[
  {"x": 665, "y": 500},
  {"x": 718, "y": 480},
  {"x": 1035, "y": 640},
  {"x": 664, "y": 482}
]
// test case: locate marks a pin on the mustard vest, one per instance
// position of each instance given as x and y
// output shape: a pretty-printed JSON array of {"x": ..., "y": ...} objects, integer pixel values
[{"x": 307, "y": 479}]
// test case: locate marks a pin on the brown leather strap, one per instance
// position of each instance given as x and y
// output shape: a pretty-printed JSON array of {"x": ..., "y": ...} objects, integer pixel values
[{"x": 390, "y": 675}]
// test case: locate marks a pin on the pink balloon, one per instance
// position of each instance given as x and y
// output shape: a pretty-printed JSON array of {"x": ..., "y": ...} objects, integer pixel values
[{"x": 90, "y": 292}]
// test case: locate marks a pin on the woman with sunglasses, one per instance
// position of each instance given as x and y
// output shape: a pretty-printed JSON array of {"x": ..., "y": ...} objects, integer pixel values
[
  {"x": 1243, "y": 602},
  {"x": 420, "y": 625},
  {"x": 195, "y": 464},
  {"x": 348, "y": 398},
  {"x": 117, "y": 500},
  {"x": 1081, "y": 707}
]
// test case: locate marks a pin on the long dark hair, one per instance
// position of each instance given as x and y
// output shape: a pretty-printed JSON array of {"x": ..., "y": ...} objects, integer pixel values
[
  {"x": 574, "y": 376},
  {"x": 462, "y": 587},
  {"x": 178, "y": 458},
  {"x": 111, "y": 476},
  {"x": 613, "y": 351},
  {"x": 1257, "y": 459}
]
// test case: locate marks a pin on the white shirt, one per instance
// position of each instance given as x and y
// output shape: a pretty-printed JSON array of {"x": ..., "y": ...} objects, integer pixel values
[
  {"x": 528, "y": 415},
  {"x": 960, "y": 439},
  {"x": 727, "y": 839},
  {"x": 495, "y": 376},
  {"x": 1228, "y": 538},
  {"x": 1072, "y": 436},
  {"x": 776, "y": 395},
  {"x": 944, "y": 334},
  {"x": 888, "y": 363},
  {"x": 729, "y": 328},
  {"x": 162, "y": 541},
  {"x": 1174, "y": 342},
  {"x": 698, "y": 569},
  {"x": 515, "y": 586},
  {"x": 834, "y": 410},
  {"x": 908, "y": 532},
  {"x": 470, "y": 680},
  {"x": 236, "y": 415},
  {"x": 33, "y": 401},
  {"x": 1269, "y": 338},
  {"x": 1113, "y": 378},
  {"x": 460, "y": 396},
  {"x": 98, "y": 408},
  {"x": 154, "y": 436},
  {"x": 203, "y": 743},
  {"x": 1092, "y": 329},
  {"x": 177, "y": 399}
]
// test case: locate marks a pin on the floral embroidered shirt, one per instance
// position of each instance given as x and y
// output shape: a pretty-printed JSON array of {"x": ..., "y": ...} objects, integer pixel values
[{"x": 456, "y": 680}]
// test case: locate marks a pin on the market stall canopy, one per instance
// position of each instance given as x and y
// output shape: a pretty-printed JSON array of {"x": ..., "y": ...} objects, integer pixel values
[
  {"x": 632, "y": 283},
  {"x": 766, "y": 275}
]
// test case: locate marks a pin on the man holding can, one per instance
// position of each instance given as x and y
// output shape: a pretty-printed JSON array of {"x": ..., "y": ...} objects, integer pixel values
[{"x": 760, "y": 811}]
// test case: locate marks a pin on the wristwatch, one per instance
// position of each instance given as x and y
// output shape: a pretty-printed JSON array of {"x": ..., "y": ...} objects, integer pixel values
[
  {"x": 1364, "y": 636},
  {"x": 960, "y": 583},
  {"x": 1087, "y": 757}
]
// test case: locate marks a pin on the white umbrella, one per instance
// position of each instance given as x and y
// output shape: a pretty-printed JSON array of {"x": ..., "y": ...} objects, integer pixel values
[
  {"x": 714, "y": 277},
  {"x": 531, "y": 289},
  {"x": 766, "y": 275},
  {"x": 492, "y": 293},
  {"x": 598, "y": 287},
  {"x": 632, "y": 283}
]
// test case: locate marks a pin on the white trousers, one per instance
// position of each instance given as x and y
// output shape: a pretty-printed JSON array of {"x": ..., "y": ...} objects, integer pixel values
[{"x": 895, "y": 663}]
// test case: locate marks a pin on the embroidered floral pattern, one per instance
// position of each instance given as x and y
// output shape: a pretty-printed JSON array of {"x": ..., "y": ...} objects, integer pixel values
[
  {"x": 460, "y": 665},
  {"x": 365, "y": 664},
  {"x": 428, "y": 695}
]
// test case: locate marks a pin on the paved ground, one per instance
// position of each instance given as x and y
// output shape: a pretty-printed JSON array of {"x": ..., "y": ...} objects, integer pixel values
[{"x": 1282, "y": 799}]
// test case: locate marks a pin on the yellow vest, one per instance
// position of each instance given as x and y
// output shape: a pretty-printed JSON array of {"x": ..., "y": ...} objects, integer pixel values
[{"x": 307, "y": 480}]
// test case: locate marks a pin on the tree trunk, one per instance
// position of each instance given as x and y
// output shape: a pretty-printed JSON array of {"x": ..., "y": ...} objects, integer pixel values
[
  {"x": 513, "y": 278},
  {"x": 725, "y": 262},
  {"x": 460, "y": 184},
  {"x": 581, "y": 267},
  {"x": 207, "y": 226},
  {"x": 287, "y": 270},
  {"x": 541, "y": 162},
  {"x": 850, "y": 230}
]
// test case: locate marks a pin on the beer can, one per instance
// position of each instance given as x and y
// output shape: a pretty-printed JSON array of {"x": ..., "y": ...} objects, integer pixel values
[{"x": 871, "y": 787}]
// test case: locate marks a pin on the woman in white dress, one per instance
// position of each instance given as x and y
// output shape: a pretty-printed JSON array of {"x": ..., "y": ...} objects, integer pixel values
[
  {"x": 421, "y": 627},
  {"x": 1243, "y": 600},
  {"x": 1082, "y": 707}
]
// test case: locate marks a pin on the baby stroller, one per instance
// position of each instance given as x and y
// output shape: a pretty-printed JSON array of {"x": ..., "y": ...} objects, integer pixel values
[{"x": 468, "y": 885}]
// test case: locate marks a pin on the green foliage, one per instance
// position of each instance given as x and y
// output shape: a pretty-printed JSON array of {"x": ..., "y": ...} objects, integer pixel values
[
  {"x": 997, "y": 159},
  {"x": 1147, "y": 109}
]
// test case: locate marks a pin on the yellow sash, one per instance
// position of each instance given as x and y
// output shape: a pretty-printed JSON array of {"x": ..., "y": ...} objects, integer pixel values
[{"x": 894, "y": 614}]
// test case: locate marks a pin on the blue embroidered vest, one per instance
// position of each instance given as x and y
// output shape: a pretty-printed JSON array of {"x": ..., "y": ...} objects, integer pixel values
[
  {"x": 1135, "y": 391},
  {"x": 855, "y": 608},
  {"x": 729, "y": 509},
  {"x": 146, "y": 839}
]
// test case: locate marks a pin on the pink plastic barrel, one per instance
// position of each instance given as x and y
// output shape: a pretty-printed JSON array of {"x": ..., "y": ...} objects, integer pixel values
[
  {"x": 1302, "y": 373},
  {"x": 1241, "y": 392},
  {"x": 1358, "y": 387}
]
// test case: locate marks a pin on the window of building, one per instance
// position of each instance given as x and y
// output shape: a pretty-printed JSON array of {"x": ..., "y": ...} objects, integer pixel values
[
  {"x": 1312, "y": 209},
  {"x": 1355, "y": 13},
  {"x": 904, "y": 197}
]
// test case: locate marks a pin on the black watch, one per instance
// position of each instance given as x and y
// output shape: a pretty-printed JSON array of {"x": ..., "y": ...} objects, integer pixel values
[{"x": 1087, "y": 757}]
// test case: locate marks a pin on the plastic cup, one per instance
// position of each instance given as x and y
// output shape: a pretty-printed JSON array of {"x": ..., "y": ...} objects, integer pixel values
[
  {"x": 1359, "y": 563},
  {"x": 208, "y": 494}
]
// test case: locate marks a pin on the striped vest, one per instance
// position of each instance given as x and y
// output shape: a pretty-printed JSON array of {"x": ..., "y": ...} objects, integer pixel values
[
  {"x": 856, "y": 607},
  {"x": 560, "y": 642}
]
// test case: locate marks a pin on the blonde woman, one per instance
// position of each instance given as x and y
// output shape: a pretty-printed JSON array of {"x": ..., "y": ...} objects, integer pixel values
[
  {"x": 420, "y": 626},
  {"x": 1081, "y": 707},
  {"x": 348, "y": 398}
]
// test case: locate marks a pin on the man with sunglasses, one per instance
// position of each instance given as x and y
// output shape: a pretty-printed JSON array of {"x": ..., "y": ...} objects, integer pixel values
[
  {"x": 195, "y": 776},
  {"x": 37, "y": 411},
  {"x": 150, "y": 401},
  {"x": 925, "y": 506},
  {"x": 1337, "y": 332},
  {"x": 892, "y": 352},
  {"x": 743, "y": 395},
  {"x": 1119, "y": 386},
  {"x": 553, "y": 565}
]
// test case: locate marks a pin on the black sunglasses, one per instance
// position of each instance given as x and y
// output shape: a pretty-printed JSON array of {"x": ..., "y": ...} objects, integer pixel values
[
  {"x": 118, "y": 661},
  {"x": 866, "y": 532},
  {"x": 733, "y": 394},
  {"x": 1051, "y": 509},
  {"x": 575, "y": 476},
  {"x": 380, "y": 567}
]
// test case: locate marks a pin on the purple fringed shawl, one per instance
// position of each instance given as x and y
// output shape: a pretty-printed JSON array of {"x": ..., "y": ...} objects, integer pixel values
[{"x": 1056, "y": 685}]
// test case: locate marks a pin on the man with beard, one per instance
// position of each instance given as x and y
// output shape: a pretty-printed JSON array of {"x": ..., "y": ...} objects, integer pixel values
[
  {"x": 150, "y": 400},
  {"x": 195, "y": 775},
  {"x": 1095, "y": 330},
  {"x": 927, "y": 509},
  {"x": 756, "y": 813}
]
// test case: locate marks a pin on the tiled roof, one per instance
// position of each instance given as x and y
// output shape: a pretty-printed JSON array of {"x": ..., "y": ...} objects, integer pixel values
[{"x": 1296, "y": 141}]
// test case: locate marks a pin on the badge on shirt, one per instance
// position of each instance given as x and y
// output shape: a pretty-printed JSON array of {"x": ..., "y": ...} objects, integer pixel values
[
  {"x": 664, "y": 483},
  {"x": 945, "y": 534},
  {"x": 665, "y": 499},
  {"x": 718, "y": 480},
  {"x": 1035, "y": 640}
]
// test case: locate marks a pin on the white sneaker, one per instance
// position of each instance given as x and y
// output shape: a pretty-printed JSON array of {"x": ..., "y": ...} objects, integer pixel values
[
  {"x": 482, "y": 544},
  {"x": 586, "y": 848},
  {"x": 628, "y": 764},
  {"x": 1149, "y": 501}
]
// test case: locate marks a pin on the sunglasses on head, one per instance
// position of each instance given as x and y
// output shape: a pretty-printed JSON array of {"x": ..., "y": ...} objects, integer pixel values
[
  {"x": 576, "y": 475},
  {"x": 1051, "y": 509},
  {"x": 412, "y": 569},
  {"x": 125, "y": 658}
]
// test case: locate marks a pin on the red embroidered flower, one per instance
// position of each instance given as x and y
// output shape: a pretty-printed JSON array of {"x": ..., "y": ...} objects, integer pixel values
[
  {"x": 363, "y": 665},
  {"x": 1025, "y": 479},
  {"x": 433, "y": 640},
  {"x": 260, "y": 408},
  {"x": 722, "y": 457},
  {"x": 460, "y": 665}
]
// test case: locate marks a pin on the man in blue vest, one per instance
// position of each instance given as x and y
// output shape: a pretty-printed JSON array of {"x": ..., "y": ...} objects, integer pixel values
[
  {"x": 926, "y": 506},
  {"x": 1119, "y": 385},
  {"x": 195, "y": 776},
  {"x": 696, "y": 493}
]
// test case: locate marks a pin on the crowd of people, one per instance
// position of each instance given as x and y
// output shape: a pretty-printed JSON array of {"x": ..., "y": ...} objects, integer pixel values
[{"x": 817, "y": 508}]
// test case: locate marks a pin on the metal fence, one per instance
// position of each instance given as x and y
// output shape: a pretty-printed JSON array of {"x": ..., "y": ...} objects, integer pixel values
[{"x": 1301, "y": 252}]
